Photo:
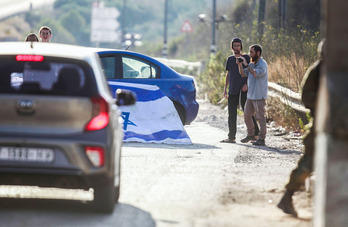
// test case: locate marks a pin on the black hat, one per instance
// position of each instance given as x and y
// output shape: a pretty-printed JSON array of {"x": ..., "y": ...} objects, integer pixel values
[{"x": 237, "y": 40}]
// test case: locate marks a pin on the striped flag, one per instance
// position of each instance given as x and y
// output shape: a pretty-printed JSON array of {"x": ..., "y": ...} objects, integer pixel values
[{"x": 153, "y": 119}]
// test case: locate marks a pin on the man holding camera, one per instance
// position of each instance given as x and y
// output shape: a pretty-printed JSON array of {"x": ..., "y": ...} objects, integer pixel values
[
  {"x": 257, "y": 73},
  {"x": 237, "y": 88}
]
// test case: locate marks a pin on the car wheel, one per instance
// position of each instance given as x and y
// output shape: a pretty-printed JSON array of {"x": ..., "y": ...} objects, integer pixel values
[
  {"x": 117, "y": 194},
  {"x": 181, "y": 112},
  {"x": 105, "y": 197}
]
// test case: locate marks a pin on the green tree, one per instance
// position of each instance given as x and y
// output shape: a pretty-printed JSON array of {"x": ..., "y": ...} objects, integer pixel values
[
  {"x": 305, "y": 13},
  {"x": 212, "y": 80},
  {"x": 76, "y": 25},
  {"x": 59, "y": 33},
  {"x": 77, "y": 3}
]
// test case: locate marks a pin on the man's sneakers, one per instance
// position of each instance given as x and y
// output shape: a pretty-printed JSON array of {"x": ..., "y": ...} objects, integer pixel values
[
  {"x": 259, "y": 142},
  {"x": 228, "y": 140},
  {"x": 247, "y": 139}
]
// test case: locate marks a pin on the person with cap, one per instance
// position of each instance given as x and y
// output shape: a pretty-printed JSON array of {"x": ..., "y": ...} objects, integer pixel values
[
  {"x": 237, "y": 89},
  {"x": 310, "y": 88}
]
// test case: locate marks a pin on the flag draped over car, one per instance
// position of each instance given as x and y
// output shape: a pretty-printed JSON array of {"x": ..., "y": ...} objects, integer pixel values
[{"x": 153, "y": 119}]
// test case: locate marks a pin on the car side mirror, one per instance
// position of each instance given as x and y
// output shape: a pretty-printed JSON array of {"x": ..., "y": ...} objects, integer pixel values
[{"x": 125, "y": 97}]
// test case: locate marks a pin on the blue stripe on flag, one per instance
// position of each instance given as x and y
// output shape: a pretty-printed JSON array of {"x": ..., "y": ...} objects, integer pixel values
[
  {"x": 158, "y": 136},
  {"x": 142, "y": 94}
]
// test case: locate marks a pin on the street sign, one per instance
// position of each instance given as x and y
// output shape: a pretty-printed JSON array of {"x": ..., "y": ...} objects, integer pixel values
[
  {"x": 105, "y": 36},
  {"x": 106, "y": 12},
  {"x": 104, "y": 24},
  {"x": 186, "y": 27}
]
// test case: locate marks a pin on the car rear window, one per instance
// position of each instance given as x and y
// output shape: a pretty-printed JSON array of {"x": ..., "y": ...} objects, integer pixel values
[
  {"x": 132, "y": 67},
  {"x": 137, "y": 69},
  {"x": 53, "y": 76}
]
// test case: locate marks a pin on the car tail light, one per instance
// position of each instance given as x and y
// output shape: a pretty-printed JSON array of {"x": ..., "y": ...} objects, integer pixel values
[
  {"x": 100, "y": 115},
  {"x": 36, "y": 58},
  {"x": 95, "y": 155}
]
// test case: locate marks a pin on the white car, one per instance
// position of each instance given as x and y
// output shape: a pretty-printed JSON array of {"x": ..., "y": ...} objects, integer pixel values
[{"x": 59, "y": 124}]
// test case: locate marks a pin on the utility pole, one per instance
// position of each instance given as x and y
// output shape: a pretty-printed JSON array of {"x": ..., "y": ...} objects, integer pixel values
[
  {"x": 124, "y": 13},
  {"x": 213, "y": 23},
  {"x": 282, "y": 13},
  {"x": 164, "y": 52},
  {"x": 31, "y": 17},
  {"x": 261, "y": 18},
  {"x": 253, "y": 5}
]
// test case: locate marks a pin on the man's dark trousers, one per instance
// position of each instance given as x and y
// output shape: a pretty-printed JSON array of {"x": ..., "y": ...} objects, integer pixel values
[{"x": 233, "y": 101}]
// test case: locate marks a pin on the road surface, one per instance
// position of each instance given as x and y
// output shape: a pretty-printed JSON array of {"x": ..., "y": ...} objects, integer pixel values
[{"x": 205, "y": 184}]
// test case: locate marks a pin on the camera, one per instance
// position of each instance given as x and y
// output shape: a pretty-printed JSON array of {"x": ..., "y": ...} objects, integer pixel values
[{"x": 240, "y": 59}]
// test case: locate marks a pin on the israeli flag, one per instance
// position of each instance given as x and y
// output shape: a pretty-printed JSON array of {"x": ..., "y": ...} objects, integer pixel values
[{"x": 153, "y": 119}]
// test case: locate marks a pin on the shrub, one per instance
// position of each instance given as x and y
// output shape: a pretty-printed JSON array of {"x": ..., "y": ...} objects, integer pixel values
[
  {"x": 282, "y": 114},
  {"x": 288, "y": 52},
  {"x": 212, "y": 79}
]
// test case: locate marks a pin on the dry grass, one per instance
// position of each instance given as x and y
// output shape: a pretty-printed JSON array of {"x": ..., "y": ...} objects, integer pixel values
[
  {"x": 288, "y": 72},
  {"x": 282, "y": 114}
]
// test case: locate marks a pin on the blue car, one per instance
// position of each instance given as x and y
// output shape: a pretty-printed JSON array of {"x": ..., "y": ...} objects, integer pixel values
[{"x": 131, "y": 67}]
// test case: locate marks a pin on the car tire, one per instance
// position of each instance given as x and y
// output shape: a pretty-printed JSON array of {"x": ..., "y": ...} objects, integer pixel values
[
  {"x": 105, "y": 197},
  {"x": 181, "y": 112},
  {"x": 117, "y": 194}
]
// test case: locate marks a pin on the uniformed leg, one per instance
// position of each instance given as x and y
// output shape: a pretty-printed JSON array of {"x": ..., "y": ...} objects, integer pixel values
[{"x": 298, "y": 175}]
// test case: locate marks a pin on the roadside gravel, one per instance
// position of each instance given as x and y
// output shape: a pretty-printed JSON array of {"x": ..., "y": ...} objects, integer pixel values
[{"x": 260, "y": 173}]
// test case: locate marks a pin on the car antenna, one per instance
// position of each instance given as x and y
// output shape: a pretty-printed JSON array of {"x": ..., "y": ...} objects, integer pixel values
[{"x": 135, "y": 38}]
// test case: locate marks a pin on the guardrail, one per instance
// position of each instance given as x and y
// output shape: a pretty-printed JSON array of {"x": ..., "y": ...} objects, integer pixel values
[
  {"x": 181, "y": 64},
  {"x": 287, "y": 97}
]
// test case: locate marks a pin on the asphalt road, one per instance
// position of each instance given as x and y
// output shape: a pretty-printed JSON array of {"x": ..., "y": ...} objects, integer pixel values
[{"x": 204, "y": 184}]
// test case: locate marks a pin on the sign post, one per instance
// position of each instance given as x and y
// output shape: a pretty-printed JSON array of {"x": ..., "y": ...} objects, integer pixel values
[
  {"x": 186, "y": 27},
  {"x": 104, "y": 24}
]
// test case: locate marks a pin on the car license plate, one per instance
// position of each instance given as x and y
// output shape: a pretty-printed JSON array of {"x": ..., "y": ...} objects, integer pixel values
[{"x": 26, "y": 154}]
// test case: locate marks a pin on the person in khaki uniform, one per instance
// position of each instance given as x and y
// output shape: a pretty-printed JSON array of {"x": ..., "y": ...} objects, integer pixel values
[{"x": 310, "y": 87}]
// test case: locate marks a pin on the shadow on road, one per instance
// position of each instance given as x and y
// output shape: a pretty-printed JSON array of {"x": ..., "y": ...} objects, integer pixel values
[
  {"x": 30, "y": 212},
  {"x": 272, "y": 149},
  {"x": 193, "y": 146}
]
